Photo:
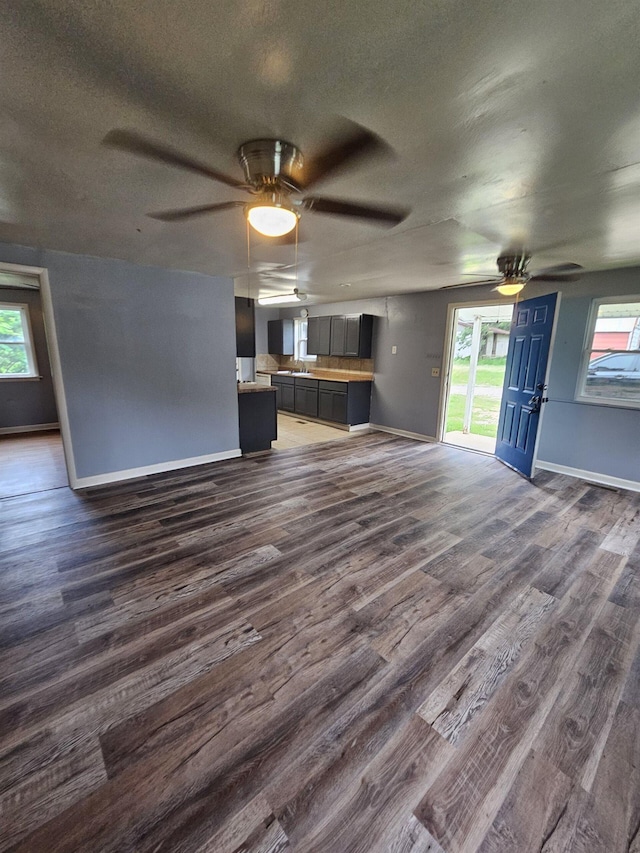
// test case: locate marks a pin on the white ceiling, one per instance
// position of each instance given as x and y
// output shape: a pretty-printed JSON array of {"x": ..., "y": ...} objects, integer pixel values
[{"x": 512, "y": 122}]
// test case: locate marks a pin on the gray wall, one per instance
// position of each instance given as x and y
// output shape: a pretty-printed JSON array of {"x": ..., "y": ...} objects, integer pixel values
[
  {"x": 601, "y": 439},
  {"x": 147, "y": 357},
  {"x": 29, "y": 402},
  {"x": 263, "y": 315},
  {"x": 405, "y": 396}
]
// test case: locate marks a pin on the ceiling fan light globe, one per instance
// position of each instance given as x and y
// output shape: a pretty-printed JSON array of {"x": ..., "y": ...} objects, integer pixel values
[
  {"x": 271, "y": 220},
  {"x": 510, "y": 288}
]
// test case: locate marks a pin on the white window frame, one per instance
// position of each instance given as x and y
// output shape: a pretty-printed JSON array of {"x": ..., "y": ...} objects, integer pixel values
[
  {"x": 32, "y": 364},
  {"x": 587, "y": 349},
  {"x": 299, "y": 351}
]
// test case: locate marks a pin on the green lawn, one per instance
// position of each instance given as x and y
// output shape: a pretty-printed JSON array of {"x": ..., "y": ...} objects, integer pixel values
[
  {"x": 489, "y": 372},
  {"x": 484, "y": 417}
]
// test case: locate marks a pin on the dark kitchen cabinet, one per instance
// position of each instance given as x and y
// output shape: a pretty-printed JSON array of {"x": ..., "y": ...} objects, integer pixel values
[
  {"x": 352, "y": 336},
  {"x": 285, "y": 392},
  {"x": 257, "y": 419},
  {"x": 338, "y": 327},
  {"x": 280, "y": 337},
  {"x": 358, "y": 336},
  {"x": 332, "y": 406},
  {"x": 245, "y": 328},
  {"x": 344, "y": 402},
  {"x": 306, "y": 397},
  {"x": 329, "y": 400},
  {"x": 319, "y": 336}
]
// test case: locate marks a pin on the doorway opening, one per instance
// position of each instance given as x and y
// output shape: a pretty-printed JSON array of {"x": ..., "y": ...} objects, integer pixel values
[
  {"x": 33, "y": 453},
  {"x": 477, "y": 362}
]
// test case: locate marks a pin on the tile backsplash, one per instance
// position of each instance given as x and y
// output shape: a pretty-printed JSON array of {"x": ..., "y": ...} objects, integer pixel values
[{"x": 322, "y": 362}]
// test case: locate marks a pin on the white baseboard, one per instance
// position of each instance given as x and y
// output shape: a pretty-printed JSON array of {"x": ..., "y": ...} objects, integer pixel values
[
  {"x": 403, "y": 432},
  {"x": 589, "y": 476},
  {"x": 159, "y": 468},
  {"x": 357, "y": 427},
  {"x": 31, "y": 428}
]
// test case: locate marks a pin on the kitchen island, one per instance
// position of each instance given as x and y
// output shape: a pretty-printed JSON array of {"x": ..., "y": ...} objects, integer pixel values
[{"x": 257, "y": 416}]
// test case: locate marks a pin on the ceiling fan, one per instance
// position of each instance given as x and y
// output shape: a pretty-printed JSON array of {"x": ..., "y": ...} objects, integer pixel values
[
  {"x": 276, "y": 175},
  {"x": 513, "y": 276}
]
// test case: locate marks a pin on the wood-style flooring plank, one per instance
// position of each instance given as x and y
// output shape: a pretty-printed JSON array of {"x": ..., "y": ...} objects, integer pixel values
[{"x": 376, "y": 644}]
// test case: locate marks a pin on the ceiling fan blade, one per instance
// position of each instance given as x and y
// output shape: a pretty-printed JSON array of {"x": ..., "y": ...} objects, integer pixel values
[
  {"x": 125, "y": 140},
  {"x": 491, "y": 280},
  {"x": 487, "y": 275},
  {"x": 374, "y": 213},
  {"x": 561, "y": 272},
  {"x": 356, "y": 144},
  {"x": 189, "y": 212}
]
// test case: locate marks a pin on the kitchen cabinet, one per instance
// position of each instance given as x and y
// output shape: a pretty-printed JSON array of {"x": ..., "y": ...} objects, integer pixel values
[
  {"x": 245, "y": 327},
  {"x": 306, "y": 397},
  {"x": 344, "y": 402},
  {"x": 352, "y": 336},
  {"x": 285, "y": 392},
  {"x": 280, "y": 337},
  {"x": 319, "y": 336},
  {"x": 257, "y": 417},
  {"x": 358, "y": 336},
  {"x": 338, "y": 326},
  {"x": 332, "y": 405},
  {"x": 329, "y": 400}
]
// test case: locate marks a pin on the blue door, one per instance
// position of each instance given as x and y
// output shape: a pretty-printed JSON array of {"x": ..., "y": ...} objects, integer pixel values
[{"x": 524, "y": 381}]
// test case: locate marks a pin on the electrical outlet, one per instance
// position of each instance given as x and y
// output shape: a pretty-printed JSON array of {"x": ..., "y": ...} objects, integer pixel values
[
  {"x": 435, "y": 371},
  {"x": 394, "y": 350}
]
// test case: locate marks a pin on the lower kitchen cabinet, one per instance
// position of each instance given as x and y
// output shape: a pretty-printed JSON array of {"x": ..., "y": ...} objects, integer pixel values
[
  {"x": 337, "y": 402},
  {"x": 285, "y": 392},
  {"x": 332, "y": 406},
  {"x": 306, "y": 397}
]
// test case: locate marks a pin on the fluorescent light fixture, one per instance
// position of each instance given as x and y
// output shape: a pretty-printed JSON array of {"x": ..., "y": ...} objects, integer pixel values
[
  {"x": 509, "y": 288},
  {"x": 272, "y": 220},
  {"x": 296, "y": 296}
]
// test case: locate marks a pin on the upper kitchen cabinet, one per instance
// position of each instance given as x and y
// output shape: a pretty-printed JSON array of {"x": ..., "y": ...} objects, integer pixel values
[
  {"x": 319, "y": 336},
  {"x": 280, "y": 337},
  {"x": 338, "y": 326},
  {"x": 352, "y": 336},
  {"x": 245, "y": 328}
]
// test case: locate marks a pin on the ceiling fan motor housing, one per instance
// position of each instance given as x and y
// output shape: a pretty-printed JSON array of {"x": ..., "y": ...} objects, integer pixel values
[
  {"x": 513, "y": 266},
  {"x": 271, "y": 163}
]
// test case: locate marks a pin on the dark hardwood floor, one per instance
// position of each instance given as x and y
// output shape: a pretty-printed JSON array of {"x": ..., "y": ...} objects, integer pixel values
[
  {"x": 31, "y": 462},
  {"x": 369, "y": 645}
]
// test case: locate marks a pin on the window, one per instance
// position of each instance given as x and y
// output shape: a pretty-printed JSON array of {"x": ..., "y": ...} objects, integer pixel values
[
  {"x": 610, "y": 372},
  {"x": 17, "y": 358},
  {"x": 300, "y": 332}
]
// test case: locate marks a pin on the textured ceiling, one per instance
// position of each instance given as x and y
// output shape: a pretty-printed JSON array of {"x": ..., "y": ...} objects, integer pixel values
[{"x": 512, "y": 123}]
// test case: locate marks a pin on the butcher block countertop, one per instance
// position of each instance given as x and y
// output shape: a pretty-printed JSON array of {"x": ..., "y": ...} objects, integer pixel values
[
  {"x": 251, "y": 387},
  {"x": 332, "y": 375}
]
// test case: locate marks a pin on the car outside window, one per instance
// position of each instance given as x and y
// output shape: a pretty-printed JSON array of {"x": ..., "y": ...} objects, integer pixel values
[{"x": 610, "y": 370}]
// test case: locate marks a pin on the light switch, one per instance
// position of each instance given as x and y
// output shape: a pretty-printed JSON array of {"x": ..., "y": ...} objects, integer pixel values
[{"x": 394, "y": 350}]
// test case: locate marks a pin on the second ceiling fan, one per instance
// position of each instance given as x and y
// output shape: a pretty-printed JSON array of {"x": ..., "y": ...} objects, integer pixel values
[
  {"x": 276, "y": 175},
  {"x": 513, "y": 274}
]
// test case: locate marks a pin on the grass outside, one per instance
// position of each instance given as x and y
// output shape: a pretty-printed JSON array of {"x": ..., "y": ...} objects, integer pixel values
[
  {"x": 486, "y": 410},
  {"x": 490, "y": 371},
  {"x": 484, "y": 417}
]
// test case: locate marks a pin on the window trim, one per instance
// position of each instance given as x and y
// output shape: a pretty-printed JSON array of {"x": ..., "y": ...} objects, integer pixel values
[
  {"x": 587, "y": 349},
  {"x": 27, "y": 330},
  {"x": 297, "y": 323}
]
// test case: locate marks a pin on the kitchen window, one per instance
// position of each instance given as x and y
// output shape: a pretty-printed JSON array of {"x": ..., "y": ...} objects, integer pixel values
[
  {"x": 300, "y": 334},
  {"x": 17, "y": 357},
  {"x": 610, "y": 368}
]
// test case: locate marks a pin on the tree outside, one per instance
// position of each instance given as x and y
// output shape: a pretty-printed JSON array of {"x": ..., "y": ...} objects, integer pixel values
[{"x": 13, "y": 354}]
